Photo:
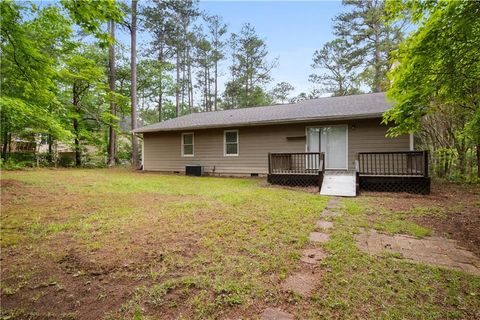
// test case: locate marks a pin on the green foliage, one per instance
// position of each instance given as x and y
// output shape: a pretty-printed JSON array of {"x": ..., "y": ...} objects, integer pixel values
[
  {"x": 30, "y": 51},
  {"x": 91, "y": 14},
  {"x": 281, "y": 92},
  {"x": 339, "y": 76},
  {"x": 438, "y": 65},
  {"x": 250, "y": 70},
  {"x": 435, "y": 84},
  {"x": 369, "y": 41}
]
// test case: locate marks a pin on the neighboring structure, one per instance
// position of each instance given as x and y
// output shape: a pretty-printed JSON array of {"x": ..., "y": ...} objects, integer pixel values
[{"x": 284, "y": 140}]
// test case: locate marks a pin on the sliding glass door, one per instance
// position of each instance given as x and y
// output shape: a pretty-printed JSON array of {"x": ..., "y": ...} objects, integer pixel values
[{"x": 332, "y": 140}]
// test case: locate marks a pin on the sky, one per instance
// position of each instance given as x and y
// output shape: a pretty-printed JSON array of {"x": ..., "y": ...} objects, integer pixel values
[{"x": 293, "y": 30}]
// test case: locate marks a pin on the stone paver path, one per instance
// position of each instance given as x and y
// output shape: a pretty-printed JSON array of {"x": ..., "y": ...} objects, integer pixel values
[
  {"x": 328, "y": 213},
  {"x": 308, "y": 277},
  {"x": 276, "y": 314},
  {"x": 301, "y": 283},
  {"x": 313, "y": 256},
  {"x": 319, "y": 237},
  {"x": 432, "y": 250},
  {"x": 322, "y": 224}
]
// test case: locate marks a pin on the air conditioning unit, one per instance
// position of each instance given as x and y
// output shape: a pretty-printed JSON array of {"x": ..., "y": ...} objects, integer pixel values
[{"x": 194, "y": 170}]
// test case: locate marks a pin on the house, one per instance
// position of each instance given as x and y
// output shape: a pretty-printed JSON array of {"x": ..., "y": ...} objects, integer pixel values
[{"x": 286, "y": 142}]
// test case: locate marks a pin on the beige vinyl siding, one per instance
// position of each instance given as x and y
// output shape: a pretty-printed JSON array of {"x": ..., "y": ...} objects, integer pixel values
[{"x": 163, "y": 149}]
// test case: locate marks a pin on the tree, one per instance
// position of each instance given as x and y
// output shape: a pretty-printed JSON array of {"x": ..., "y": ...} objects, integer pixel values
[
  {"x": 203, "y": 52},
  {"x": 371, "y": 40},
  {"x": 281, "y": 92},
  {"x": 438, "y": 68},
  {"x": 31, "y": 50},
  {"x": 217, "y": 30},
  {"x": 112, "y": 139},
  {"x": 90, "y": 16},
  {"x": 158, "y": 20},
  {"x": 250, "y": 71},
  {"x": 84, "y": 74},
  {"x": 133, "y": 91},
  {"x": 338, "y": 77}
]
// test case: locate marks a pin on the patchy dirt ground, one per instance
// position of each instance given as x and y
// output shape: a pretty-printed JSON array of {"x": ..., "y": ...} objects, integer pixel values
[
  {"x": 115, "y": 244},
  {"x": 451, "y": 210}
]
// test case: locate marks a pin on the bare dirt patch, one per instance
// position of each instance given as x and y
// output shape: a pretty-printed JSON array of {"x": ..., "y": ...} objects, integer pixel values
[{"x": 459, "y": 203}]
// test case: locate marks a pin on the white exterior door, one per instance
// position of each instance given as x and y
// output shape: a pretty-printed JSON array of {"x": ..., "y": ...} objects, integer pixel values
[{"x": 332, "y": 140}]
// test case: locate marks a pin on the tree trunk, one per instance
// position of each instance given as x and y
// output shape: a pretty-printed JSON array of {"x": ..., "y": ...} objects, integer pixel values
[
  {"x": 377, "y": 67},
  {"x": 6, "y": 139},
  {"x": 478, "y": 160},
  {"x": 177, "y": 87},
  {"x": 160, "y": 90},
  {"x": 216, "y": 86},
  {"x": 189, "y": 77},
  {"x": 50, "y": 149},
  {"x": 133, "y": 90},
  {"x": 78, "y": 151},
  {"x": 112, "y": 139},
  {"x": 462, "y": 158},
  {"x": 209, "y": 92}
]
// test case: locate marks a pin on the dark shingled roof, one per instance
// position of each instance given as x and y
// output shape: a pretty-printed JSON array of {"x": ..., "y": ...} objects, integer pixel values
[{"x": 369, "y": 105}]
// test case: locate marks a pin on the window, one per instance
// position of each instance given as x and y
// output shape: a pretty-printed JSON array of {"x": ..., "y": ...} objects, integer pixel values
[
  {"x": 231, "y": 142},
  {"x": 187, "y": 144}
]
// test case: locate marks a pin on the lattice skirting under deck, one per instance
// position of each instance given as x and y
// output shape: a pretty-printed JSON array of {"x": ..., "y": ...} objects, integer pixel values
[
  {"x": 295, "y": 180},
  {"x": 419, "y": 185}
]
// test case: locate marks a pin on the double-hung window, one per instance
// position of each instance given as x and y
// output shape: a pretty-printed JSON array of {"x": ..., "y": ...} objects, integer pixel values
[
  {"x": 230, "y": 142},
  {"x": 187, "y": 145}
]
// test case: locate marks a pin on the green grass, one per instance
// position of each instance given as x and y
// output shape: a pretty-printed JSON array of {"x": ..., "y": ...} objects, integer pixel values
[
  {"x": 358, "y": 285},
  {"x": 222, "y": 242},
  {"x": 206, "y": 248}
]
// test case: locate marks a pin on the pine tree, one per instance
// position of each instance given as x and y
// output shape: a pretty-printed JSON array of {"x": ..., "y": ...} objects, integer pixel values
[
  {"x": 371, "y": 40},
  {"x": 217, "y": 30},
  {"x": 281, "y": 92},
  {"x": 133, "y": 90},
  {"x": 250, "y": 71},
  {"x": 338, "y": 76}
]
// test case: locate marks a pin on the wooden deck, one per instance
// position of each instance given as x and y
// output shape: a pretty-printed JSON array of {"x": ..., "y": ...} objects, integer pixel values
[
  {"x": 296, "y": 169},
  {"x": 401, "y": 171},
  {"x": 396, "y": 171}
]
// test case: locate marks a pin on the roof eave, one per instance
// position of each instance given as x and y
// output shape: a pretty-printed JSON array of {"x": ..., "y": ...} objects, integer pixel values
[{"x": 260, "y": 123}]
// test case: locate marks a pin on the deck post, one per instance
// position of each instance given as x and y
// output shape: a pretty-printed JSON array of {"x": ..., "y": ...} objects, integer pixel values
[
  {"x": 425, "y": 163},
  {"x": 269, "y": 164}
]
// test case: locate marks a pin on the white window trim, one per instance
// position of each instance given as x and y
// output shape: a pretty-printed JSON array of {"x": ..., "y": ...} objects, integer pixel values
[
  {"x": 225, "y": 144},
  {"x": 193, "y": 144},
  {"x": 411, "y": 142}
]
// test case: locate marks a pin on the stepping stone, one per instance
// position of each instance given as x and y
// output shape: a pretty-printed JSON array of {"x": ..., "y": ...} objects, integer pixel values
[
  {"x": 301, "y": 283},
  {"x": 275, "y": 314},
  {"x": 322, "y": 224},
  {"x": 319, "y": 237},
  {"x": 436, "y": 251},
  {"x": 328, "y": 213},
  {"x": 313, "y": 256}
]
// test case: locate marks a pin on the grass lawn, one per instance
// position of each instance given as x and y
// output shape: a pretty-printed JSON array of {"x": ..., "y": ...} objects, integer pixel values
[{"x": 115, "y": 244}]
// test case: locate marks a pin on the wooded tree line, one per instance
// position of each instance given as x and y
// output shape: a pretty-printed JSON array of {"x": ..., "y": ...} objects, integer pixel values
[{"x": 67, "y": 77}]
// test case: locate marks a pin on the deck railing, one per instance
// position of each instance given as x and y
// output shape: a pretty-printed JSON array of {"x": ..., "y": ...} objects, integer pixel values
[
  {"x": 296, "y": 163},
  {"x": 401, "y": 163}
]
